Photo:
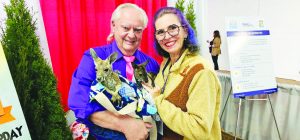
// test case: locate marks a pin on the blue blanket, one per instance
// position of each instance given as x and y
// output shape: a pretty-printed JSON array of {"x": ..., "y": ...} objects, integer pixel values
[{"x": 128, "y": 92}]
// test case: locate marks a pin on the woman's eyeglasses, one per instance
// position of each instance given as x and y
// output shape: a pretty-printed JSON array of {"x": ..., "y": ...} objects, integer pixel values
[{"x": 173, "y": 30}]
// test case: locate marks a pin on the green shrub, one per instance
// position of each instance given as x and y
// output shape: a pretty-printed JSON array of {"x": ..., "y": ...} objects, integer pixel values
[{"x": 189, "y": 12}]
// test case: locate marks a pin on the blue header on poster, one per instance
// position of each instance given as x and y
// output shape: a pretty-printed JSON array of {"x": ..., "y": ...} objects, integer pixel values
[
  {"x": 256, "y": 92},
  {"x": 248, "y": 33}
]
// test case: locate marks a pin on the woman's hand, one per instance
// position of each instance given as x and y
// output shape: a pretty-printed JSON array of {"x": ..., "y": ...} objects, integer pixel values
[{"x": 154, "y": 91}]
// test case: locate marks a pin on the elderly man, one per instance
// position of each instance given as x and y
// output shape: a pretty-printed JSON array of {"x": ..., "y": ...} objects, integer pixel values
[{"x": 128, "y": 22}]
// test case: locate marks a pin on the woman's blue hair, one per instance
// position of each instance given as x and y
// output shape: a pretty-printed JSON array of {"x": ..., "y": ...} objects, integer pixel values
[{"x": 189, "y": 43}]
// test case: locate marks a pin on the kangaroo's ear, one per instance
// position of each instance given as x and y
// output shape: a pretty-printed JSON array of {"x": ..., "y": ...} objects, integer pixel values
[
  {"x": 93, "y": 53},
  {"x": 151, "y": 75},
  {"x": 112, "y": 58},
  {"x": 144, "y": 63},
  {"x": 134, "y": 65}
]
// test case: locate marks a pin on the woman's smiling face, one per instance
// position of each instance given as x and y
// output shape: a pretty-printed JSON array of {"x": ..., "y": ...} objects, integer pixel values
[{"x": 170, "y": 34}]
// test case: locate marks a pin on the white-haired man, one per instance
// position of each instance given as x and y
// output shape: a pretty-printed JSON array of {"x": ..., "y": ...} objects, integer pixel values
[{"x": 127, "y": 25}]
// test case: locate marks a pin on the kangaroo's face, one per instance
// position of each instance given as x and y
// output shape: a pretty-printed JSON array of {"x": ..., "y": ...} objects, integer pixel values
[
  {"x": 140, "y": 72},
  {"x": 103, "y": 67}
]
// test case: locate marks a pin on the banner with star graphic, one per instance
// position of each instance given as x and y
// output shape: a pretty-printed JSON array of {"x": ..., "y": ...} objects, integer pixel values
[{"x": 12, "y": 122}]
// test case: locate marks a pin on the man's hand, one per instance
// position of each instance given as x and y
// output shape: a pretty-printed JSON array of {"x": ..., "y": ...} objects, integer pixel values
[{"x": 134, "y": 129}]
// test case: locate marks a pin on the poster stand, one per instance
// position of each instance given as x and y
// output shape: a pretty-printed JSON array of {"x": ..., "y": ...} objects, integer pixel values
[
  {"x": 250, "y": 60},
  {"x": 239, "y": 111}
]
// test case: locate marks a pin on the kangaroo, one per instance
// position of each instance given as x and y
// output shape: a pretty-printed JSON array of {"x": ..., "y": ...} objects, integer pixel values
[
  {"x": 141, "y": 75},
  {"x": 106, "y": 76}
]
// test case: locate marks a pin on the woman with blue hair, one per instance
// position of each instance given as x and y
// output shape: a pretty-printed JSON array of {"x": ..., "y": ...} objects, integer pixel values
[{"x": 187, "y": 93}]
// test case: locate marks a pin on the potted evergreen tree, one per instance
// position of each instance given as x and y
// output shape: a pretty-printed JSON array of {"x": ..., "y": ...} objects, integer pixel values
[{"x": 189, "y": 12}]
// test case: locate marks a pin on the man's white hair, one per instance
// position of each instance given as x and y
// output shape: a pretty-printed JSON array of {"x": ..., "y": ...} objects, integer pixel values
[{"x": 117, "y": 12}]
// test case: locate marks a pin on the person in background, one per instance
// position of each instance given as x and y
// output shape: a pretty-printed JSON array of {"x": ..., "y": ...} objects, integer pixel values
[
  {"x": 187, "y": 93},
  {"x": 127, "y": 31},
  {"x": 216, "y": 48}
]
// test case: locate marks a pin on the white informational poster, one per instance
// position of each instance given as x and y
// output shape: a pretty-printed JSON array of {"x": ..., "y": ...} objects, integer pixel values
[
  {"x": 12, "y": 122},
  {"x": 250, "y": 56}
]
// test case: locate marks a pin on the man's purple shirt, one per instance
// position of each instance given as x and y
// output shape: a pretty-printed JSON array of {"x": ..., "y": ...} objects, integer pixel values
[{"x": 85, "y": 74}]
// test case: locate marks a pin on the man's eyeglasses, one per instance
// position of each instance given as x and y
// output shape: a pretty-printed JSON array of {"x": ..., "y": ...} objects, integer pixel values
[{"x": 173, "y": 30}]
